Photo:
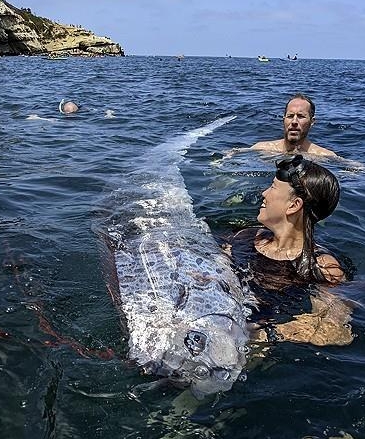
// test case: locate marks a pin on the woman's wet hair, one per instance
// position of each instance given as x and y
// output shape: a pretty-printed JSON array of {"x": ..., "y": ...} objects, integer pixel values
[
  {"x": 316, "y": 185},
  {"x": 320, "y": 191}
]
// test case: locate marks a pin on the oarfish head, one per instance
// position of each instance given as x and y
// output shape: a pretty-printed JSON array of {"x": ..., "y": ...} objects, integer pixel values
[{"x": 209, "y": 355}]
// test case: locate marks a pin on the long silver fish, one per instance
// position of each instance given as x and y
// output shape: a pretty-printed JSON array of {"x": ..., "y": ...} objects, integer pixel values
[{"x": 184, "y": 306}]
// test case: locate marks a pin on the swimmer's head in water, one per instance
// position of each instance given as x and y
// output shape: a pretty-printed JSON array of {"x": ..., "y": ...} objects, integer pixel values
[
  {"x": 67, "y": 107},
  {"x": 290, "y": 171},
  {"x": 316, "y": 185}
]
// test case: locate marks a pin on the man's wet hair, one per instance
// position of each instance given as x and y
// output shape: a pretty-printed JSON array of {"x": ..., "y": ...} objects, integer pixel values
[{"x": 312, "y": 109}]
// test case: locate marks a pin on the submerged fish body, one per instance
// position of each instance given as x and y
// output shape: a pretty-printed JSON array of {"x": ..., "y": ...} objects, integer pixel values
[{"x": 184, "y": 306}]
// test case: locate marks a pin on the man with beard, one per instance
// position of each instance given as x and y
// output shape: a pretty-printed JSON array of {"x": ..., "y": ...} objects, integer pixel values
[{"x": 298, "y": 120}]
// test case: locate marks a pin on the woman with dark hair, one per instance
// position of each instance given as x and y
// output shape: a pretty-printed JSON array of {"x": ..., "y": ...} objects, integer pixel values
[
  {"x": 284, "y": 266},
  {"x": 301, "y": 194}
]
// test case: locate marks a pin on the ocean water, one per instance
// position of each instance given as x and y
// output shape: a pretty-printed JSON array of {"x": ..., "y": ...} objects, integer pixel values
[{"x": 63, "y": 371}]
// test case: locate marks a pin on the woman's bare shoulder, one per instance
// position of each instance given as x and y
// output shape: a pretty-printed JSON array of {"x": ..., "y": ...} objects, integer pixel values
[{"x": 331, "y": 268}]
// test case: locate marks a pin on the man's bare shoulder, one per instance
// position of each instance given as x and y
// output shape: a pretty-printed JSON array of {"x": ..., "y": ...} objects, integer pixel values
[
  {"x": 269, "y": 145},
  {"x": 319, "y": 150},
  {"x": 279, "y": 146}
]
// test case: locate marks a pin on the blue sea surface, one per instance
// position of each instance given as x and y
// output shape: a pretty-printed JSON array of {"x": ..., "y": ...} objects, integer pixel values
[{"x": 58, "y": 324}]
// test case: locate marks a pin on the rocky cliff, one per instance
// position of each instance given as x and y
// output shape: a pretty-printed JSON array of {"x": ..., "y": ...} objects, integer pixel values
[{"x": 22, "y": 32}]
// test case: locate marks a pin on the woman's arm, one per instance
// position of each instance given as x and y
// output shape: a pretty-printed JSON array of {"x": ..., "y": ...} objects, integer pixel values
[
  {"x": 331, "y": 269},
  {"x": 327, "y": 324}
]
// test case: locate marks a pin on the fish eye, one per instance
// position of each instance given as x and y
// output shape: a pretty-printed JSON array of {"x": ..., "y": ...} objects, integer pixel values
[
  {"x": 201, "y": 372},
  {"x": 195, "y": 341}
]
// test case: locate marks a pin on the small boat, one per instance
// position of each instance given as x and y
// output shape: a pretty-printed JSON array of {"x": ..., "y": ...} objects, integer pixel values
[
  {"x": 56, "y": 57},
  {"x": 263, "y": 58},
  {"x": 292, "y": 58}
]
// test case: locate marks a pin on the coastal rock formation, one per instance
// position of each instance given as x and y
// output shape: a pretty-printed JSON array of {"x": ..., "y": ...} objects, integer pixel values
[{"x": 23, "y": 33}]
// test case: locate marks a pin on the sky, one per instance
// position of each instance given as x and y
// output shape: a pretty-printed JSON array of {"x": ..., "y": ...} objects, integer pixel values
[{"x": 324, "y": 29}]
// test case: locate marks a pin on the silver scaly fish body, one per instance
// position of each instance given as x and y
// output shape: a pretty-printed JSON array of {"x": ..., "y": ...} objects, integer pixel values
[{"x": 184, "y": 305}]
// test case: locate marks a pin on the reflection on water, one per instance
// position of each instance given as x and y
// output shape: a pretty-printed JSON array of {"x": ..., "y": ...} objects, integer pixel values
[{"x": 62, "y": 348}]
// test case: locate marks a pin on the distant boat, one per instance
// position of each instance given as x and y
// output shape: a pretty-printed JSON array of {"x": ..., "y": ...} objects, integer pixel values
[
  {"x": 263, "y": 58},
  {"x": 292, "y": 58},
  {"x": 55, "y": 57}
]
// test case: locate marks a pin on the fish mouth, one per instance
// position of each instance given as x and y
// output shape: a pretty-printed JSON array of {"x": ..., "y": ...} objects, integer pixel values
[
  {"x": 203, "y": 380},
  {"x": 218, "y": 380}
]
